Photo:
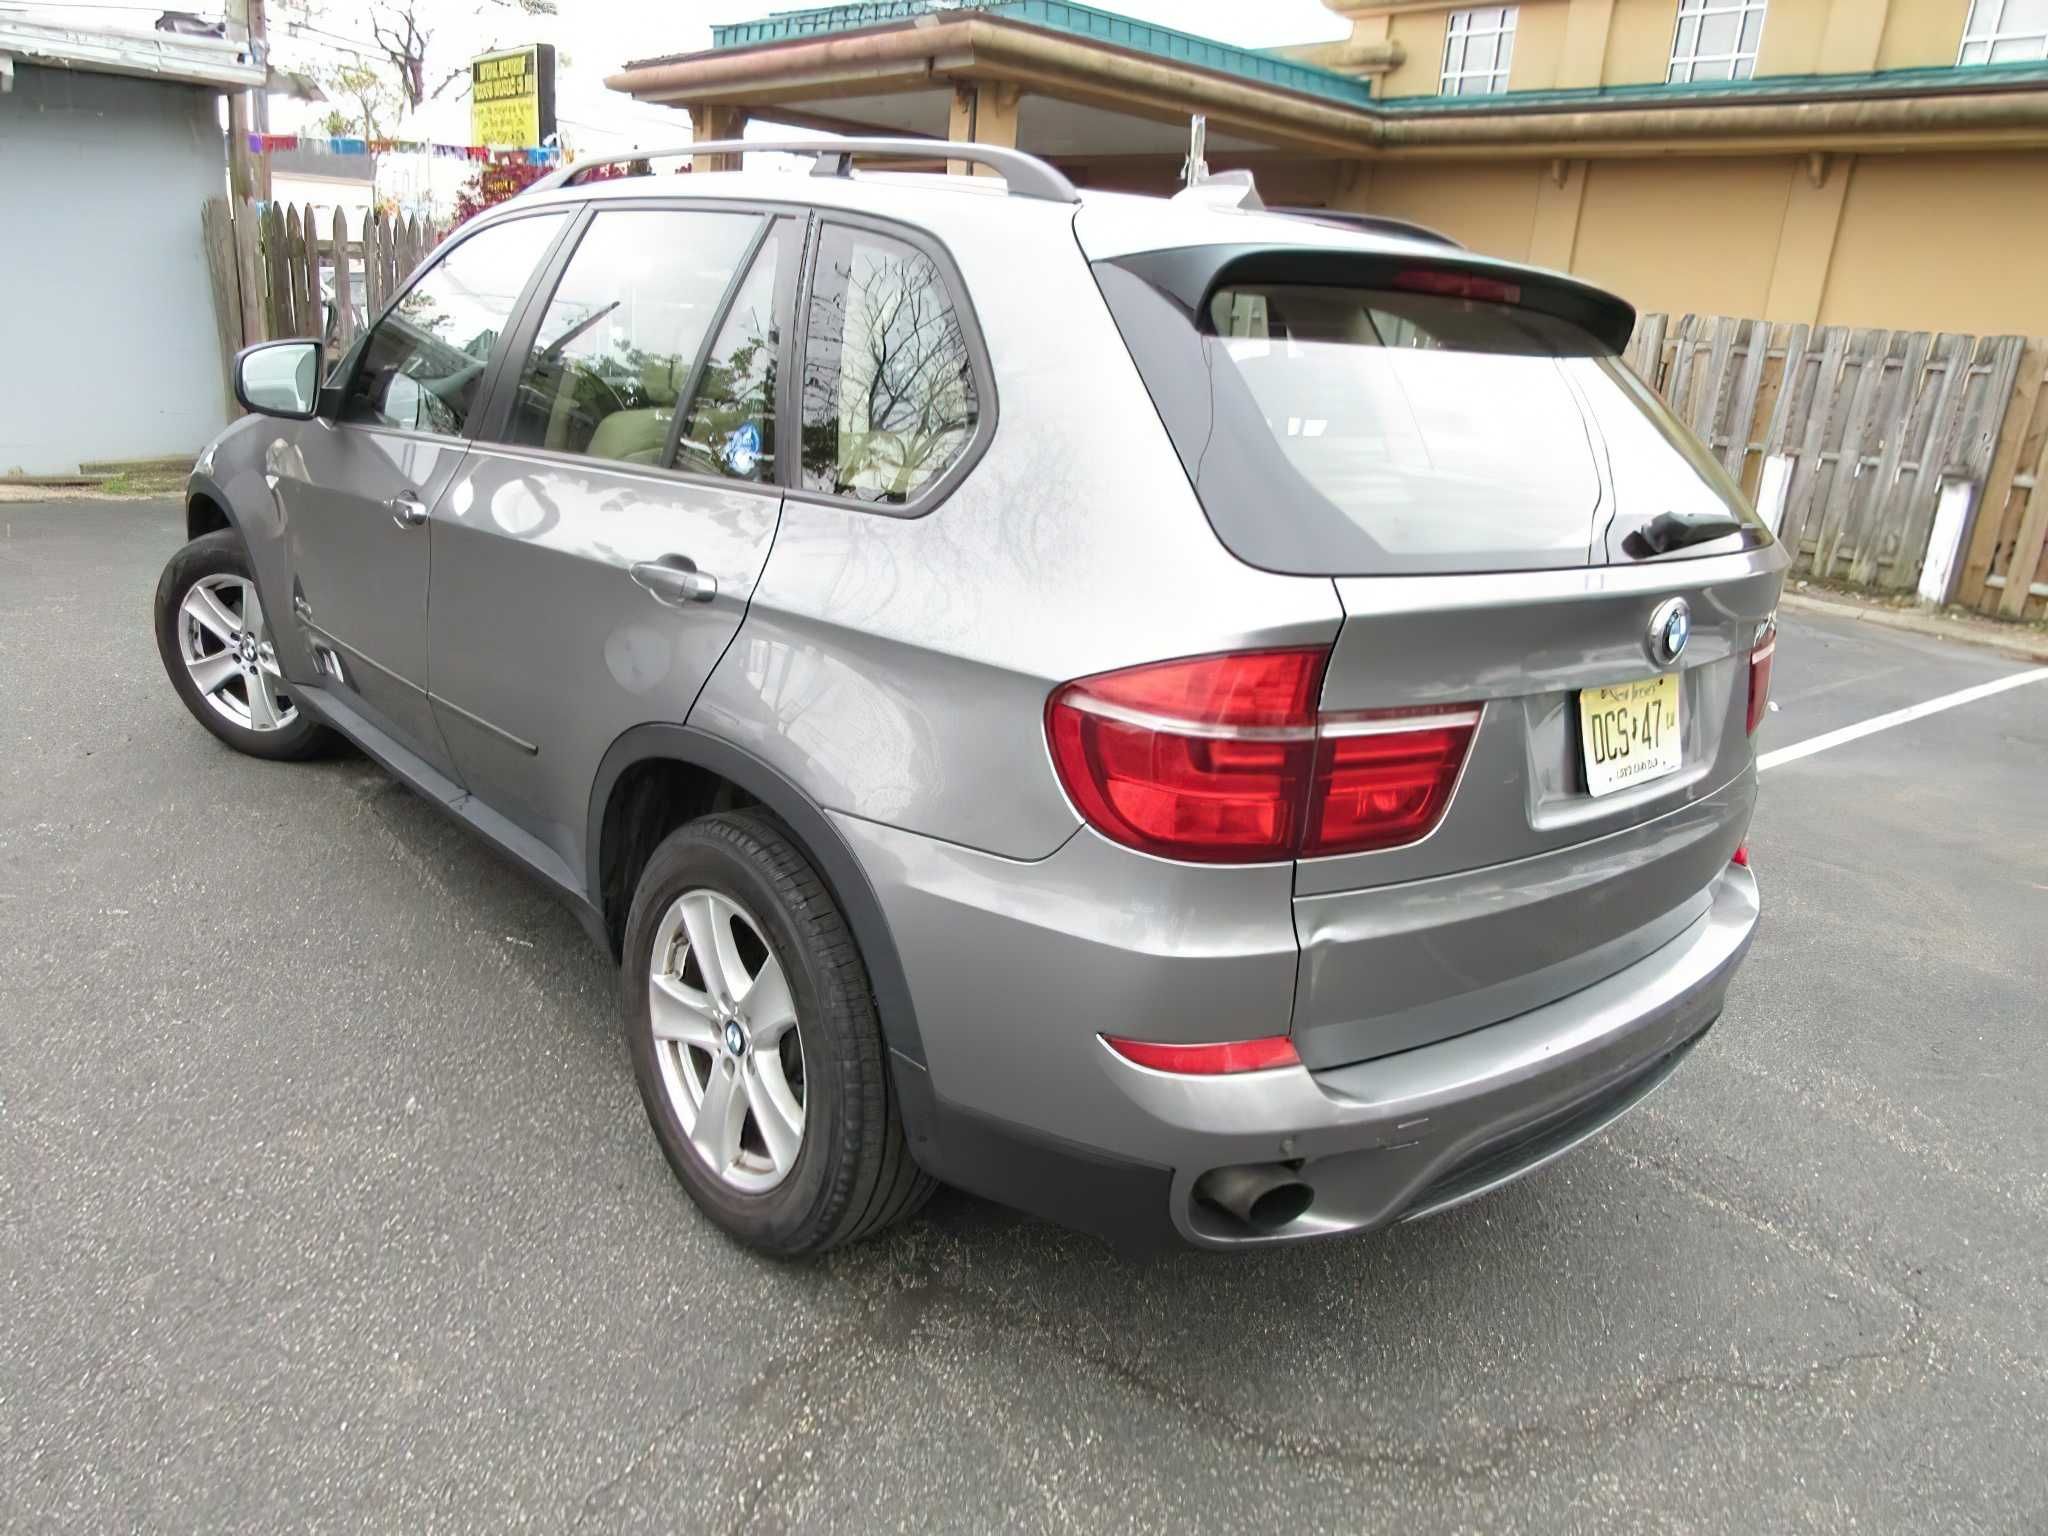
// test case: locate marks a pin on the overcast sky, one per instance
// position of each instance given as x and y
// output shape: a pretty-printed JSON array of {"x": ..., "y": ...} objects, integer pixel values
[{"x": 594, "y": 37}]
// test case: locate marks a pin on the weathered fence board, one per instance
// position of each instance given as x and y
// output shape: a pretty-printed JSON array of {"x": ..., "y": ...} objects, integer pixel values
[
  {"x": 1874, "y": 423},
  {"x": 275, "y": 275}
]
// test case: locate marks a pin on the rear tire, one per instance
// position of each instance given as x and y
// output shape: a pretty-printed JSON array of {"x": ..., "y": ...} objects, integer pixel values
[
  {"x": 215, "y": 641},
  {"x": 726, "y": 1071}
]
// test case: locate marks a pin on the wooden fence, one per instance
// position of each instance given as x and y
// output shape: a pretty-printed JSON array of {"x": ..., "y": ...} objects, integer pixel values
[
  {"x": 1869, "y": 429},
  {"x": 274, "y": 271}
]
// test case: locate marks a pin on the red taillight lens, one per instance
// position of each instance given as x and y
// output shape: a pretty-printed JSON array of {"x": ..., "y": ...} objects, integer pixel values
[
  {"x": 1760, "y": 673},
  {"x": 1220, "y": 759},
  {"x": 1384, "y": 778},
  {"x": 1741, "y": 855},
  {"x": 1208, "y": 1060},
  {"x": 1205, "y": 759}
]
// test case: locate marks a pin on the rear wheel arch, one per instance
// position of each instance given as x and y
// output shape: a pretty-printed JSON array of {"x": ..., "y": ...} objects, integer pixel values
[{"x": 655, "y": 777}]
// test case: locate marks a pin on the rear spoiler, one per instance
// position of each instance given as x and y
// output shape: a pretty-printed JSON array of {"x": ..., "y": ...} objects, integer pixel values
[
  {"x": 1371, "y": 224},
  {"x": 1189, "y": 274}
]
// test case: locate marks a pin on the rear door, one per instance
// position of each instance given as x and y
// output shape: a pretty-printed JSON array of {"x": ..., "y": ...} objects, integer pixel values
[
  {"x": 595, "y": 553},
  {"x": 355, "y": 502},
  {"x": 1535, "y": 714}
]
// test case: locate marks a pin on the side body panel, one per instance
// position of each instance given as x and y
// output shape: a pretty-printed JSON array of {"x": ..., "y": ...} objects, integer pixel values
[
  {"x": 355, "y": 575},
  {"x": 898, "y": 666},
  {"x": 545, "y": 649}
]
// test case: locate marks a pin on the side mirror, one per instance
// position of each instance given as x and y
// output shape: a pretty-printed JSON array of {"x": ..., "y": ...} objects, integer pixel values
[{"x": 279, "y": 378}]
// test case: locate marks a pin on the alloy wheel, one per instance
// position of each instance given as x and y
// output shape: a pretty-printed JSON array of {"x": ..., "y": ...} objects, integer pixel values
[
  {"x": 727, "y": 1040},
  {"x": 225, "y": 645}
]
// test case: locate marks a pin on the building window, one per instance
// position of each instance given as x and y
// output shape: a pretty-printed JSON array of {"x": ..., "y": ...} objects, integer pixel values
[
  {"x": 1717, "y": 40},
  {"x": 2005, "y": 32},
  {"x": 1478, "y": 45}
]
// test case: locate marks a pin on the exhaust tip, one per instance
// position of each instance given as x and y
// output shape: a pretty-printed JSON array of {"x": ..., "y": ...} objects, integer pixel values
[{"x": 1264, "y": 1196}]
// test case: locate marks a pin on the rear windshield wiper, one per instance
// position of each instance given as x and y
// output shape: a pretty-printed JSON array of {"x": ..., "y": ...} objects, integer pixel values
[{"x": 1668, "y": 531}]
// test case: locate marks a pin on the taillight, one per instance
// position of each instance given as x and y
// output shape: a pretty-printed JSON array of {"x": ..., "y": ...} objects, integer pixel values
[
  {"x": 1383, "y": 778},
  {"x": 1741, "y": 855},
  {"x": 1222, "y": 759},
  {"x": 1760, "y": 673},
  {"x": 1205, "y": 759}
]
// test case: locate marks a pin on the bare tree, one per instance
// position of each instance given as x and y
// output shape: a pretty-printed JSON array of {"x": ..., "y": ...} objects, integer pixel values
[
  {"x": 403, "y": 32},
  {"x": 399, "y": 31}
]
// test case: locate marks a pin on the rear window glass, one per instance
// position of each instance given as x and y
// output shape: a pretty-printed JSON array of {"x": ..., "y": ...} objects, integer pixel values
[{"x": 1361, "y": 431}]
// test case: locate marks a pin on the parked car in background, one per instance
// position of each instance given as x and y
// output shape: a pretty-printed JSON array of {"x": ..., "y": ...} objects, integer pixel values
[{"x": 1196, "y": 722}]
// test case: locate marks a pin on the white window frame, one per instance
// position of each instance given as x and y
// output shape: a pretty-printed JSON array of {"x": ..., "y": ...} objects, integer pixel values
[
  {"x": 1686, "y": 58},
  {"x": 1987, "y": 29},
  {"x": 1461, "y": 29}
]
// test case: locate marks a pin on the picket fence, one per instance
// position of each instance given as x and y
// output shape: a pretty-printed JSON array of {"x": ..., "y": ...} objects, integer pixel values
[
  {"x": 273, "y": 269},
  {"x": 1877, "y": 451}
]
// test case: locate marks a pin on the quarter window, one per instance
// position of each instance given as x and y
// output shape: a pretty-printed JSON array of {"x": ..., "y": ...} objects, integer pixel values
[
  {"x": 2005, "y": 32},
  {"x": 1716, "y": 40},
  {"x": 730, "y": 429},
  {"x": 1479, "y": 46},
  {"x": 889, "y": 400},
  {"x": 423, "y": 365},
  {"x": 623, "y": 331}
]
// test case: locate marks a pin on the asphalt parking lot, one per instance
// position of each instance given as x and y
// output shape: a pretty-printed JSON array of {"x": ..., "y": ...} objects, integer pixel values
[{"x": 326, "y": 1198}]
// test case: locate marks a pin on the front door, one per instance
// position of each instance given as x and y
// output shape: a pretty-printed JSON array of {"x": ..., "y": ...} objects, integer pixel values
[
  {"x": 595, "y": 553},
  {"x": 354, "y": 505}
]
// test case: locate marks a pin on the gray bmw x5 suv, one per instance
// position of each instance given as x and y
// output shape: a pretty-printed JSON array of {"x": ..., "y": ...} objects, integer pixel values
[{"x": 1196, "y": 722}]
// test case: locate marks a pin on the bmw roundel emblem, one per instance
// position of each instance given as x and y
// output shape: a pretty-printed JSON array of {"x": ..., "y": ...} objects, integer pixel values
[{"x": 1670, "y": 628}]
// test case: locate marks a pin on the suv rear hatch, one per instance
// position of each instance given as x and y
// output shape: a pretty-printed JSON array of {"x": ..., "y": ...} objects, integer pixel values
[{"x": 1507, "y": 515}]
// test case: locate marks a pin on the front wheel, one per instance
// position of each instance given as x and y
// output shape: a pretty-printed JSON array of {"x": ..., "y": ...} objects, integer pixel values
[
  {"x": 755, "y": 1042},
  {"x": 215, "y": 640}
]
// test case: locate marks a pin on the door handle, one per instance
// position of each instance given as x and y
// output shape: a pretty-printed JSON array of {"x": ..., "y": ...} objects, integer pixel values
[
  {"x": 675, "y": 579},
  {"x": 407, "y": 510}
]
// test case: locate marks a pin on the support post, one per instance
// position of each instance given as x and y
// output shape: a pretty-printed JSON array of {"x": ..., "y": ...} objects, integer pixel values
[
  {"x": 983, "y": 112},
  {"x": 707, "y": 123}
]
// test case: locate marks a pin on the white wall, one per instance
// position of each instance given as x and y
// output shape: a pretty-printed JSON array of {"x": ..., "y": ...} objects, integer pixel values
[{"x": 111, "y": 351}]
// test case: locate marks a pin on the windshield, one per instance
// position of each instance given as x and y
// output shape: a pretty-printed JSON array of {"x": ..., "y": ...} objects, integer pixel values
[{"x": 1344, "y": 430}]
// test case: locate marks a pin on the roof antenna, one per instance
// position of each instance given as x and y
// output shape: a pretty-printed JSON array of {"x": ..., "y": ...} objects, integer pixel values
[
  {"x": 1219, "y": 189},
  {"x": 1195, "y": 170}
]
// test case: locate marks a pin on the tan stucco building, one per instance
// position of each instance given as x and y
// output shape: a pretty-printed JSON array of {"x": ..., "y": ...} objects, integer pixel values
[{"x": 1859, "y": 162}]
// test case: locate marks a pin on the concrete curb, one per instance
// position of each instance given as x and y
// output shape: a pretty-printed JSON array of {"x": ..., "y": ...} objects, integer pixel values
[{"x": 2021, "y": 644}]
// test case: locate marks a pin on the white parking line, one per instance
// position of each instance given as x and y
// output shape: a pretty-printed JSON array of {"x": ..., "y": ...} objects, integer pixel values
[{"x": 1877, "y": 723}]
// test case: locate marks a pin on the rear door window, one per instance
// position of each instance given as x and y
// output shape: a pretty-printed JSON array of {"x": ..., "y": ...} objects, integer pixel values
[
  {"x": 623, "y": 330},
  {"x": 889, "y": 400},
  {"x": 729, "y": 429},
  {"x": 422, "y": 367}
]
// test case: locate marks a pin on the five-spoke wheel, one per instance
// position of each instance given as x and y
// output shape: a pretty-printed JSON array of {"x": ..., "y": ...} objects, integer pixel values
[
  {"x": 226, "y": 647},
  {"x": 751, "y": 1024},
  {"x": 219, "y": 648},
  {"x": 728, "y": 1040}
]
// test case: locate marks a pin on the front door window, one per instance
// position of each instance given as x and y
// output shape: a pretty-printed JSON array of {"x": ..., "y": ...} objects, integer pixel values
[{"x": 423, "y": 367}]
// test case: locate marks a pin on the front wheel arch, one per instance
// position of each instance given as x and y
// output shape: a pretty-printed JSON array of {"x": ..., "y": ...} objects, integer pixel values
[{"x": 204, "y": 514}]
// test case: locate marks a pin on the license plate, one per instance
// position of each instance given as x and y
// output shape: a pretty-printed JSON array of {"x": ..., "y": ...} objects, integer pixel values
[{"x": 1630, "y": 732}]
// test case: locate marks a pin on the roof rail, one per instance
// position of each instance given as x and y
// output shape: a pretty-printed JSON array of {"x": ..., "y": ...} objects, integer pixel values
[
  {"x": 1371, "y": 224},
  {"x": 1026, "y": 175}
]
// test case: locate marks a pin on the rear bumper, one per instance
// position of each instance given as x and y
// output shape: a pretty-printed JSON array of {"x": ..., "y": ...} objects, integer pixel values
[{"x": 1025, "y": 1104}]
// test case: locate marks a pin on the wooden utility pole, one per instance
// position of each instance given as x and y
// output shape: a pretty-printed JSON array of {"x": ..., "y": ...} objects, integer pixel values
[{"x": 249, "y": 172}]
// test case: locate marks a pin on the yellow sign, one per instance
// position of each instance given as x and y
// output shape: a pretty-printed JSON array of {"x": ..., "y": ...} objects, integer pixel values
[{"x": 512, "y": 97}]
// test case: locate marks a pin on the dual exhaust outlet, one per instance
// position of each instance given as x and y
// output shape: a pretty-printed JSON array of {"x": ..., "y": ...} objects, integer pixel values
[{"x": 1264, "y": 1196}]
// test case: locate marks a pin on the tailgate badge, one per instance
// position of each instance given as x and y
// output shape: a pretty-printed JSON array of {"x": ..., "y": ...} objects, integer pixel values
[{"x": 1670, "y": 628}]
